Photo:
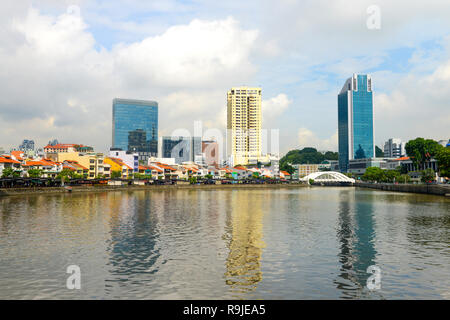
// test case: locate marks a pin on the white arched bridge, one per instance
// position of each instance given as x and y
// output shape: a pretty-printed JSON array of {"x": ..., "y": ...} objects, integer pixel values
[{"x": 328, "y": 176}]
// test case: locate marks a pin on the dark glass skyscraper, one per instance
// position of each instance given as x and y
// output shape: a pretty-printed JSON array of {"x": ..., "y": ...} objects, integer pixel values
[
  {"x": 133, "y": 121},
  {"x": 355, "y": 120},
  {"x": 181, "y": 148}
]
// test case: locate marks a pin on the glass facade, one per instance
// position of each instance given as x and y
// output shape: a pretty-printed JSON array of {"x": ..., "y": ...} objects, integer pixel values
[
  {"x": 355, "y": 120},
  {"x": 182, "y": 149},
  {"x": 133, "y": 122}
]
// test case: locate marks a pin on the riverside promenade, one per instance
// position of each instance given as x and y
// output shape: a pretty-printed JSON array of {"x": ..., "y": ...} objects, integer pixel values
[
  {"x": 435, "y": 189},
  {"x": 100, "y": 188}
]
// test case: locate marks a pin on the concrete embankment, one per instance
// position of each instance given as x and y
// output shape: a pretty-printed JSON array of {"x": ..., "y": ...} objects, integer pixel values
[
  {"x": 51, "y": 190},
  {"x": 434, "y": 189}
]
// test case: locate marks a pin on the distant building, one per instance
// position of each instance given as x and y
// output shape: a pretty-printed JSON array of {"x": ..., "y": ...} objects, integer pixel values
[
  {"x": 302, "y": 170},
  {"x": 444, "y": 143},
  {"x": 210, "y": 149},
  {"x": 244, "y": 119},
  {"x": 394, "y": 148},
  {"x": 182, "y": 149},
  {"x": 53, "y": 142},
  {"x": 27, "y": 145},
  {"x": 51, "y": 151},
  {"x": 131, "y": 159},
  {"x": 135, "y": 126},
  {"x": 90, "y": 160},
  {"x": 329, "y": 165},
  {"x": 355, "y": 120},
  {"x": 359, "y": 166}
]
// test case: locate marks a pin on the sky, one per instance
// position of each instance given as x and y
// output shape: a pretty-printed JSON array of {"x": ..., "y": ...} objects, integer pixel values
[{"x": 63, "y": 62}]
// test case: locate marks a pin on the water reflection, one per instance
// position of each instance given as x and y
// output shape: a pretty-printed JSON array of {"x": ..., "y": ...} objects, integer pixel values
[
  {"x": 245, "y": 243},
  {"x": 199, "y": 244},
  {"x": 356, "y": 235},
  {"x": 133, "y": 244}
]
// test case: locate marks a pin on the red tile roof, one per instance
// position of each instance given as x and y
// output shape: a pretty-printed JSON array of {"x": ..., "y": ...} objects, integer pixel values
[
  {"x": 17, "y": 154},
  {"x": 402, "y": 159},
  {"x": 35, "y": 163},
  {"x": 285, "y": 173},
  {"x": 165, "y": 166},
  {"x": 120, "y": 162},
  {"x": 6, "y": 159}
]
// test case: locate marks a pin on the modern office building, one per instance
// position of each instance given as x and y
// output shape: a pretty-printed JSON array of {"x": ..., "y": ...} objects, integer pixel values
[
  {"x": 135, "y": 126},
  {"x": 244, "y": 125},
  {"x": 182, "y": 149},
  {"x": 27, "y": 145},
  {"x": 394, "y": 148},
  {"x": 355, "y": 120}
]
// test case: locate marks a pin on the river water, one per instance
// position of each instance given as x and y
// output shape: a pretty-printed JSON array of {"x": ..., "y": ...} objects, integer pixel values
[{"x": 305, "y": 243}]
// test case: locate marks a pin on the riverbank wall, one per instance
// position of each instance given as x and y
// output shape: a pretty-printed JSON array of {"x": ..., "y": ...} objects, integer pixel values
[
  {"x": 78, "y": 189},
  {"x": 440, "y": 190}
]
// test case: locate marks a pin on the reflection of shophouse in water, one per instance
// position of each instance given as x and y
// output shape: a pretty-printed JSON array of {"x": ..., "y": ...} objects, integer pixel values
[
  {"x": 356, "y": 236},
  {"x": 245, "y": 243}
]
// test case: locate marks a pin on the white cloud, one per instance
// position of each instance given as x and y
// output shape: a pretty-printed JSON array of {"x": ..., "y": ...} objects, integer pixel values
[
  {"x": 56, "y": 71},
  {"x": 417, "y": 106},
  {"x": 274, "y": 107},
  {"x": 307, "y": 138},
  {"x": 202, "y": 53}
]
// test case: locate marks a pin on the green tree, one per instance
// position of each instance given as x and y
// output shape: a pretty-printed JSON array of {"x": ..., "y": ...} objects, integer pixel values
[
  {"x": 192, "y": 180},
  {"x": 428, "y": 175},
  {"x": 443, "y": 158},
  {"x": 138, "y": 176},
  {"x": 305, "y": 156},
  {"x": 390, "y": 176},
  {"x": 208, "y": 176},
  {"x": 404, "y": 178},
  {"x": 287, "y": 167},
  {"x": 35, "y": 173},
  {"x": 76, "y": 176},
  {"x": 330, "y": 155},
  {"x": 7, "y": 172},
  {"x": 65, "y": 175},
  {"x": 373, "y": 174},
  {"x": 116, "y": 174},
  {"x": 421, "y": 150}
]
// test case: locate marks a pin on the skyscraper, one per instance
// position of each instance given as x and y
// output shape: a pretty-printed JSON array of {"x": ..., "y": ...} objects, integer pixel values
[
  {"x": 355, "y": 120},
  {"x": 182, "y": 149},
  {"x": 27, "y": 145},
  {"x": 134, "y": 120},
  {"x": 394, "y": 148},
  {"x": 244, "y": 125}
]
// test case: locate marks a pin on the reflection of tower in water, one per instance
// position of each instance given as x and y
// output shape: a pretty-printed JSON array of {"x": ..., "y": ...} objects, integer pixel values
[
  {"x": 244, "y": 235},
  {"x": 133, "y": 247},
  {"x": 356, "y": 235}
]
